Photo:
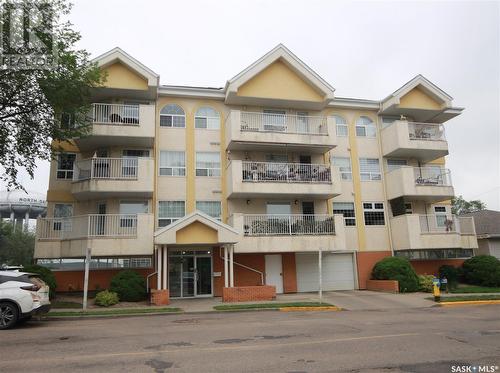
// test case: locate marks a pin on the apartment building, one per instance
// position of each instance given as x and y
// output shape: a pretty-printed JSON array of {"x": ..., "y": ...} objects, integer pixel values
[{"x": 204, "y": 188}]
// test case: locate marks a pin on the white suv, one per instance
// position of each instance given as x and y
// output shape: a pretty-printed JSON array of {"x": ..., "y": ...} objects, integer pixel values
[{"x": 21, "y": 296}]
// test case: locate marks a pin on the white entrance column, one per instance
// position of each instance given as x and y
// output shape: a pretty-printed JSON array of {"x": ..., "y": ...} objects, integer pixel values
[
  {"x": 86, "y": 278},
  {"x": 12, "y": 217},
  {"x": 320, "y": 274},
  {"x": 158, "y": 269},
  {"x": 26, "y": 221},
  {"x": 231, "y": 265},
  {"x": 226, "y": 274},
  {"x": 165, "y": 271}
]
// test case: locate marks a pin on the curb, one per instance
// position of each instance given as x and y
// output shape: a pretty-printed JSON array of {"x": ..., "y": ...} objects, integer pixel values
[
  {"x": 468, "y": 303},
  {"x": 318, "y": 308}
]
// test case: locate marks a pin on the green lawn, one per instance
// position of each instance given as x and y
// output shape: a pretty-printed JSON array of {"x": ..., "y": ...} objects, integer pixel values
[
  {"x": 470, "y": 297},
  {"x": 113, "y": 312},
  {"x": 474, "y": 289},
  {"x": 235, "y": 307}
]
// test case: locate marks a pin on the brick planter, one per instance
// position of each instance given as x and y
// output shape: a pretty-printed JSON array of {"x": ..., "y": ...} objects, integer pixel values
[
  {"x": 160, "y": 297},
  {"x": 389, "y": 286},
  {"x": 248, "y": 293}
]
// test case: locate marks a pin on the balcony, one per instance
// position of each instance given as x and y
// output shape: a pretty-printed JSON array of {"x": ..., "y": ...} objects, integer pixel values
[
  {"x": 289, "y": 233},
  {"x": 106, "y": 235},
  {"x": 119, "y": 125},
  {"x": 423, "y": 141},
  {"x": 247, "y": 179},
  {"x": 112, "y": 177},
  {"x": 431, "y": 184},
  {"x": 252, "y": 131},
  {"x": 413, "y": 231}
]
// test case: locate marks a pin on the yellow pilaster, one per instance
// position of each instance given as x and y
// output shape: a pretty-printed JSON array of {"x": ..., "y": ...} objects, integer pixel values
[{"x": 190, "y": 164}]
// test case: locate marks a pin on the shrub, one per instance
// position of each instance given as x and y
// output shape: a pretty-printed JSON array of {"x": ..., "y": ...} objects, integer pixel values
[
  {"x": 129, "y": 285},
  {"x": 425, "y": 283},
  {"x": 482, "y": 270},
  {"x": 106, "y": 298},
  {"x": 451, "y": 273},
  {"x": 400, "y": 269},
  {"x": 46, "y": 275}
]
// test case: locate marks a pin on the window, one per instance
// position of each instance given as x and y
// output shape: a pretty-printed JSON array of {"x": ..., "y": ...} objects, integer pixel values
[
  {"x": 65, "y": 162},
  {"x": 274, "y": 120},
  {"x": 441, "y": 216},
  {"x": 365, "y": 127},
  {"x": 211, "y": 208},
  {"x": 131, "y": 208},
  {"x": 408, "y": 208},
  {"x": 278, "y": 208},
  {"x": 62, "y": 211},
  {"x": 95, "y": 263},
  {"x": 374, "y": 213},
  {"x": 135, "y": 153},
  {"x": 302, "y": 122},
  {"x": 434, "y": 254},
  {"x": 172, "y": 116},
  {"x": 369, "y": 169},
  {"x": 277, "y": 158},
  {"x": 346, "y": 209},
  {"x": 387, "y": 121},
  {"x": 170, "y": 211},
  {"x": 207, "y": 164},
  {"x": 208, "y": 118},
  {"x": 393, "y": 164},
  {"x": 344, "y": 165},
  {"x": 341, "y": 125},
  {"x": 172, "y": 163}
]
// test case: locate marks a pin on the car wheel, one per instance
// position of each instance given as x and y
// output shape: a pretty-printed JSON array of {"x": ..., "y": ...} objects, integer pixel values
[{"x": 8, "y": 315}]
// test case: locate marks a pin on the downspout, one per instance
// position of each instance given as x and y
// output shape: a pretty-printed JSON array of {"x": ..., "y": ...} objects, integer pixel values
[{"x": 246, "y": 267}]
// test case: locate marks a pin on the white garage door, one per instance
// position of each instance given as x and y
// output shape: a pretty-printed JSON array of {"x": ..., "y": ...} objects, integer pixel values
[{"x": 338, "y": 272}]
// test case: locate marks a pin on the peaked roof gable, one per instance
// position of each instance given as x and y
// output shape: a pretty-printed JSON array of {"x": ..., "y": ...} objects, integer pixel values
[
  {"x": 119, "y": 55},
  {"x": 283, "y": 54}
]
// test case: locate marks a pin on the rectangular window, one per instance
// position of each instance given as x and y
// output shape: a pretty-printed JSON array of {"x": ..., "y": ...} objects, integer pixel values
[
  {"x": 374, "y": 213},
  {"x": 278, "y": 208},
  {"x": 408, "y": 208},
  {"x": 366, "y": 129},
  {"x": 277, "y": 158},
  {"x": 207, "y": 164},
  {"x": 61, "y": 212},
  {"x": 135, "y": 153},
  {"x": 342, "y": 129},
  {"x": 211, "y": 123},
  {"x": 274, "y": 120},
  {"x": 369, "y": 169},
  {"x": 344, "y": 165},
  {"x": 65, "y": 162},
  {"x": 441, "y": 215},
  {"x": 170, "y": 211},
  {"x": 131, "y": 208},
  {"x": 393, "y": 164},
  {"x": 346, "y": 209},
  {"x": 168, "y": 120},
  {"x": 211, "y": 208},
  {"x": 172, "y": 163}
]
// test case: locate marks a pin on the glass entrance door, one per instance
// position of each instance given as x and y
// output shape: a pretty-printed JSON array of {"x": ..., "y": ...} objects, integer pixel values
[{"x": 189, "y": 273}]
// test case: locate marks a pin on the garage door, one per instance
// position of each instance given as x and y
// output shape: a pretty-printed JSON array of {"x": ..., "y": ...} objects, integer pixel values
[{"x": 338, "y": 272}]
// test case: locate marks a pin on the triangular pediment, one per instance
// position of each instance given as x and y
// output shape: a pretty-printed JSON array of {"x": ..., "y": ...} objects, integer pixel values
[
  {"x": 195, "y": 229},
  {"x": 279, "y": 78}
]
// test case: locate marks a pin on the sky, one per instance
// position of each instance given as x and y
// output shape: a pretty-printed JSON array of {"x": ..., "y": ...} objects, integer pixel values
[{"x": 363, "y": 49}]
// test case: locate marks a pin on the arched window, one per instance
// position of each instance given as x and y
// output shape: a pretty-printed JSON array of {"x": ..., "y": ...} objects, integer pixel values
[
  {"x": 341, "y": 124},
  {"x": 365, "y": 127},
  {"x": 172, "y": 115},
  {"x": 206, "y": 117}
]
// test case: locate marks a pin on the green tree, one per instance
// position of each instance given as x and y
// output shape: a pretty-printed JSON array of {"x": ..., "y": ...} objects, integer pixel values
[
  {"x": 16, "y": 246},
  {"x": 460, "y": 206},
  {"x": 38, "y": 106}
]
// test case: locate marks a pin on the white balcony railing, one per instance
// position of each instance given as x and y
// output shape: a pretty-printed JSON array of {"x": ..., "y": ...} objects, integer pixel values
[
  {"x": 430, "y": 176},
  {"x": 283, "y": 123},
  {"x": 426, "y": 131},
  {"x": 116, "y": 114},
  {"x": 288, "y": 225},
  {"x": 446, "y": 223},
  {"x": 87, "y": 226},
  {"x": 286, "y": 172},
  {"x": 106, "y": 168}
]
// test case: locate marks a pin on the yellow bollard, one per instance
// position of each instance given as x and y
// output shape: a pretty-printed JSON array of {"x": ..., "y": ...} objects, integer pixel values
[{"x": 437, "y": 292}]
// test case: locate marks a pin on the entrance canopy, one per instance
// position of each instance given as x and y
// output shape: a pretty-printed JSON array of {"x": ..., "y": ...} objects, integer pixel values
[{"x": 196, "y": 228}]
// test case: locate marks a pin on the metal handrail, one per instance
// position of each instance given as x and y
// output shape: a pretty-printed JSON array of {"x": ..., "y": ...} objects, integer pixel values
[
  {"x": 283, "y": 123},
  {"x": 288, "y": 224},
  {"x": 285, "y": 172}
]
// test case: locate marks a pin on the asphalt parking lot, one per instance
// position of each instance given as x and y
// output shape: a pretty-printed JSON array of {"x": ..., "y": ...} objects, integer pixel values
[{"x": 404, "y": 340}]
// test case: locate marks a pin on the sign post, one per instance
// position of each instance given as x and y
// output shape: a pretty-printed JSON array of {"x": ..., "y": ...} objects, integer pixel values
[
  {"x": 86, "y": 278},
  {"x": 320, "y": 279}
]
